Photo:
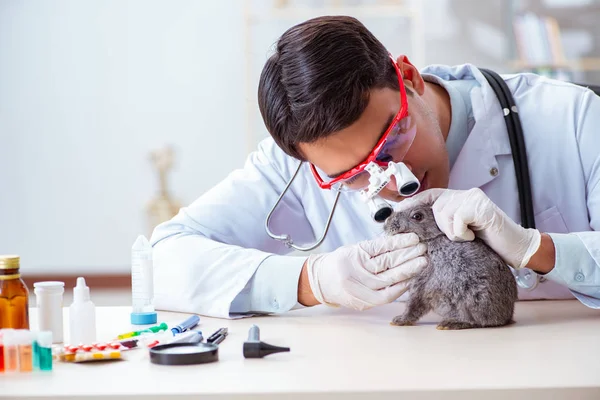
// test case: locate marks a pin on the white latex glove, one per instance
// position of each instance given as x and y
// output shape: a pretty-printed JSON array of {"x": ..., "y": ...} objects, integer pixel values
[
  {"x": 366, "y": 274},
  {"x": 462, "y": 214}
]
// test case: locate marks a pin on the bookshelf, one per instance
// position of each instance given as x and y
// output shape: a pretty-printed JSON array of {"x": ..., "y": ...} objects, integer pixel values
[{"x": 538, "y": 32}]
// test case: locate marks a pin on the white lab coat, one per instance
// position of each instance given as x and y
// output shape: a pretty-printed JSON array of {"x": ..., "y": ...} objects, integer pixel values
[{"x": 205, "y": 256}]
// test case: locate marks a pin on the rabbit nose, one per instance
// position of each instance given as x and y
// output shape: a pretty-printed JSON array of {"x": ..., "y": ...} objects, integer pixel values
[{"x": 396, "y": 224}]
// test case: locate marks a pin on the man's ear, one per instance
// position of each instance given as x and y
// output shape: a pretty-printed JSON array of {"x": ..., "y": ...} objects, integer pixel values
[{"x": 411, "y": 74}]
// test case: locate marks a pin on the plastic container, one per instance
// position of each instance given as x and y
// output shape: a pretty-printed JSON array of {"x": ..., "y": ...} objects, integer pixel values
[
  {"x": 142, "y": 283},
  {"x": 25, "y": 350},
  {"x": 14, "y": 295},
  {"x": 1, "y": 351},
  {"x": 49, "y": 299},
  {"x": 11, "y": 350},
  {"x": 44, "y": 350},
  {"x": 82, "y": 315}
]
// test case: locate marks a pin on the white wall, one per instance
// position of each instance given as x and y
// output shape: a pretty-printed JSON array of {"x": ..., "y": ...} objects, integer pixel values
[{"x": 88, "y": 88}]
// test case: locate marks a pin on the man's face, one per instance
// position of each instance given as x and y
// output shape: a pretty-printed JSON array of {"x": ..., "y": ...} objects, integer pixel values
[{"x": 427, "y": 157}]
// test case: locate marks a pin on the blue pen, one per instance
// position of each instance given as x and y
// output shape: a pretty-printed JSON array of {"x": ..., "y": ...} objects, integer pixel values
[{"x": 186, "y": 325}]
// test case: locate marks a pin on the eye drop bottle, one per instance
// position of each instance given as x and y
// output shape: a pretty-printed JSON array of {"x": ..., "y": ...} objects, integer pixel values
[{"x": 82, "y": 315}]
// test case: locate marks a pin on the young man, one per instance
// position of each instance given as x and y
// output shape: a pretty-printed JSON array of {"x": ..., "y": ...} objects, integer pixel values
[{"x": 332, "y": 97}]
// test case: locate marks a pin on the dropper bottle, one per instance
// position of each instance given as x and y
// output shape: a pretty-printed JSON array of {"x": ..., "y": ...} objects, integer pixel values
[{"x": 82, "y": 315}]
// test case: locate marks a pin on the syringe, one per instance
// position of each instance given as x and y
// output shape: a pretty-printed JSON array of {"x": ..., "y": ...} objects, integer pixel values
[{"x": 142, "y": 283}]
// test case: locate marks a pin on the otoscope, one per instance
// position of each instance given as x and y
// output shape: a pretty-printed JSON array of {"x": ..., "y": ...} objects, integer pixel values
[{"x": 254, "y": 348}]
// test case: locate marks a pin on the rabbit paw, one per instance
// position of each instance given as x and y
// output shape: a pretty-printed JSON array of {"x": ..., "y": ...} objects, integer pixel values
[
  {"x": 401, "y": 321},
  {"x": 454, "y": 325}
]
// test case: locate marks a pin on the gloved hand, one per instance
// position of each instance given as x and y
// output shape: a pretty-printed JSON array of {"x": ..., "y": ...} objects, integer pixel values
[
  {"x": 462, "y": 214},
  {"x": 366, "y": 274}
]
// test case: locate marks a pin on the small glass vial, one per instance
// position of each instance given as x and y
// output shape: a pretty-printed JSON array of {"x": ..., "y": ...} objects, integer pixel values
[
  {"x": 25, "y": 349},
  {"x": 2, "y": 350},
  {"x": 11, "y": 351},
  {"x": 14, "y": 296},
  {"x": 44, "y": 350}
]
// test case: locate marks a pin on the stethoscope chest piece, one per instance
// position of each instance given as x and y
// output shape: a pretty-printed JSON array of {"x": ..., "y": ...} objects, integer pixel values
[{"x": 527, "y": 279}]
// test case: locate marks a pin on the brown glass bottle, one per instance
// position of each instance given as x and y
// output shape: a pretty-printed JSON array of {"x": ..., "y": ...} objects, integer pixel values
[{"x": 14, "y": 296}]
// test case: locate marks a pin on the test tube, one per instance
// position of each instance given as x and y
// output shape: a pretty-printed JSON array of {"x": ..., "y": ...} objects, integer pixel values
[
  {"x": 11, "y": 353},
  {"x": 1, "y": 351},
  {"x": 44, "y": 348},
  {"x": 25, "y": 349},
  {"x": 142, "y": 283}
]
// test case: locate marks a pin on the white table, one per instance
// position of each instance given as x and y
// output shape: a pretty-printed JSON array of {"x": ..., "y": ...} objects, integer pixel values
[{"x": 551, "y": 352}]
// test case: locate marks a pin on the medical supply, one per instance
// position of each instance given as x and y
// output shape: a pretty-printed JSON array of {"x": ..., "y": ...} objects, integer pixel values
[
  {"x": 1, "y": 350},
  {"x": 130, "y": 344},
  {"x": 82, "y": 315},
  {"x": 49, "y": 299},
  {"x": 91, "y": 356},
  {"x": 218, "y": 336},
  {"x": 379, "y": 178},
  {"x": 153, "y": 329},
  {"x": 184, "y": 354},
  {"x": 95, "y": 347},
  {"x": 186, "y": 325},
  {"x": 25, "y": 349},
  {"x": 14, "y": 295},
  {"x": 11, "y": 351},
  {"x": 526, "y": 278},
  {"x": 142, "y": 283},
  {"x": 185, "y": 337},
  {"x": 254, "y": 348},
  {"x": 43, "y": 351},
  {"x": 22, "y": 350}
]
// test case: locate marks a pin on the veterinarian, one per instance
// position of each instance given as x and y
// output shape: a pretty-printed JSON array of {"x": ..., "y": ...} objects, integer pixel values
[{"x": 331, "y": 98}]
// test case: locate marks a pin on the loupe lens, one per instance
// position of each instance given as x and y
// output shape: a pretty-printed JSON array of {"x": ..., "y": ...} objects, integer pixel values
[{"x": 409, "y": 189}]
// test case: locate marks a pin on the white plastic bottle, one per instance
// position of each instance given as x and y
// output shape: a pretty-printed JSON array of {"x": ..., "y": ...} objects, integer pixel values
[
  {"x": 49, "y": 298},
  {"x": 142, "y": 283},
  {"x": 82, "y": 316}
]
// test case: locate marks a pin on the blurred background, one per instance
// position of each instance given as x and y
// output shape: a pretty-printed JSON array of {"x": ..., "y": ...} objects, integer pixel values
[{"x": 114, "y": 113}]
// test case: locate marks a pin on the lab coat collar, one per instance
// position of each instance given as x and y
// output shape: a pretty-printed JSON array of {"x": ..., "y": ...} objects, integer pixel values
[{"x": 476, "y": 163}]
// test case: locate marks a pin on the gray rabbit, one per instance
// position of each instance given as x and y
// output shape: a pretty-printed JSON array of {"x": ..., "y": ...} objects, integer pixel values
[{"x": 466, "y": 283}]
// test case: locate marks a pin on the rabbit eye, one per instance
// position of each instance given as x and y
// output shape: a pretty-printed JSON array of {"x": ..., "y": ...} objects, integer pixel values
[{"x": 417, "y": 216}]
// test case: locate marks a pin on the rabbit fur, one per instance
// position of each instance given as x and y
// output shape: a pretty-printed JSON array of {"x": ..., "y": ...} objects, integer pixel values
[{"x": 466, "y": 283}]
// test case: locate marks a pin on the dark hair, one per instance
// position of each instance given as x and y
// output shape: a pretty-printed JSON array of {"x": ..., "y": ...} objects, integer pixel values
[{"x": 318, "y": 80}]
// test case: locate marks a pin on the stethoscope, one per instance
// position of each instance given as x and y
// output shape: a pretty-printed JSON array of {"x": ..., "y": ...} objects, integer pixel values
[{"x": 380, "y": 210}]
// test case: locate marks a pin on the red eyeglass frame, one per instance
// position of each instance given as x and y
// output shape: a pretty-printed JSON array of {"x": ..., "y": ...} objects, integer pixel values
[{"x": 402, "y": 113}]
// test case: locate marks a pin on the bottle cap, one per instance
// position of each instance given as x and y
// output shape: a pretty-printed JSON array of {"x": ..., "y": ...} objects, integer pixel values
[
  {"x": 141, "y": 244},
  {"x": 143, "y": 318},
  {"x": 44, "y": 338},
  {"x": 81, "y": 292},
  {"x": 9, "y": 337},
  {"x": 9, "y": 261},
  {"x": 49, "y": 286},
  {"x": 23, "y": 337}
]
